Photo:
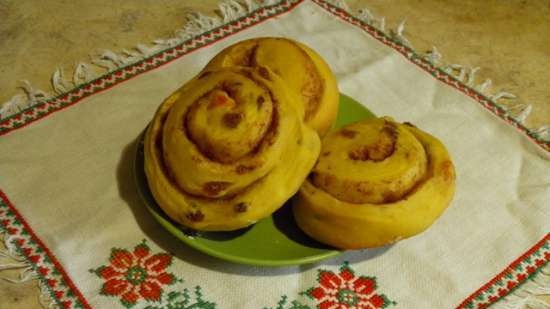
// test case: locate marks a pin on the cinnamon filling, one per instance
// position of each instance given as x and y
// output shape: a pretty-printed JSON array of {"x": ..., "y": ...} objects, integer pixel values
[{"x": 383, "y": 148}]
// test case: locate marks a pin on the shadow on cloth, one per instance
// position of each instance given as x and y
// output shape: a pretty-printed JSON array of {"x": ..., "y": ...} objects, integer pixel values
[{"x": 155, "y": 232}]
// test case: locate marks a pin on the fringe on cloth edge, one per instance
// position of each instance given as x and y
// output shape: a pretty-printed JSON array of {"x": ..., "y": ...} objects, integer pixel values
[{"x": 229, "y": 10}]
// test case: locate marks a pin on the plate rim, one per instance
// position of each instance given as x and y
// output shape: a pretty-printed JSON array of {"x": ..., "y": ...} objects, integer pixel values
[{"x": 189, "y": 240}]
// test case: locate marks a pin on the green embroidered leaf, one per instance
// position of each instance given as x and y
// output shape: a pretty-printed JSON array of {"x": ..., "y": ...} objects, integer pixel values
[
  {"x": 182, "y": 300},
  {"x": 143, "y": 244},
  {"x": 387, "y": 301},
  {"x": 198, "y": 293},
  {"x": 96, "y": 271},
  {"x": 127, "y": 304},
  {"x": 186, "y": 297},
  {"x": 345, "y": 266},
  {"x": 519, "y": 267},
  {"x": 9, "y": 213},
  {"x": 173, "y": 295},
  {"x": 282, "y": 304},
  {"x": 296, "y": 305},
  {"x": 307, "y": 293}
]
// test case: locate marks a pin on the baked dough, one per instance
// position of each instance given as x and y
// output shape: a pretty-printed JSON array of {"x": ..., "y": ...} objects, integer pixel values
[
  {"x": 376, "y": 182},
  {"x": 304, "y": 71},
  {"x": 227, "y": 149}
]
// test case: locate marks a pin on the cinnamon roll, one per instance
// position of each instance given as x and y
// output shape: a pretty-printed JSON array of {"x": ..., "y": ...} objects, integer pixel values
[
  {"x": 227, "y": 149},
  {"x": 376, "y": 182},
  {"x": 299, "y": 66}
]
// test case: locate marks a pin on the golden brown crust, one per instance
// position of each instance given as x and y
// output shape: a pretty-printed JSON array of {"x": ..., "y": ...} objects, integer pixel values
[
  {"x": 213, "y": 154},
  {"x": 395, "y": 187},
  {"x": 304, "y": 71}
]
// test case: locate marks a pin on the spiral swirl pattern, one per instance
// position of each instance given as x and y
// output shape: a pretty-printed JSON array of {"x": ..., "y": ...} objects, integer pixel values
[
  {"x": 376, "y": 182},
  {"x": 217, "y": 153},
  {"x": 304, "y": 71}
]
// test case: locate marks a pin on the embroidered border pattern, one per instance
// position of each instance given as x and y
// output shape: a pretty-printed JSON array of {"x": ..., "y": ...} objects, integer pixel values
[
  {"x": 50, "y": 271},
  {"x": 439, "y": 74},
  {"x": 60, "y": 287},
  {"x": 43, "y": 109},
  {"x": 140, "y": 276},
  {"x": 66, "y": 295},
  {"x": 59, "y": 102},
  {"x": 343, "y": 290},
  {"x": 522, "y": 269}
]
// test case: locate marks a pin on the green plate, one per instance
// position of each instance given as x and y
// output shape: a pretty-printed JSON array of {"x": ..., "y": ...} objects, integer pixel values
[{"x": 273, "y": 241}]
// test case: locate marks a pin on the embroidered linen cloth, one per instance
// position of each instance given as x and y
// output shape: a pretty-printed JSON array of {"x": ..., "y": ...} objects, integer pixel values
[{"x": 70, "y": 207}]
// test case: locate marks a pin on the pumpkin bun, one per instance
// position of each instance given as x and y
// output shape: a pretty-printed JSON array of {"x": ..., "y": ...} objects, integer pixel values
[
  {"x": 304, "y": 71},
  {"x": 227, "y": 149},
  {"x": 376, "y": 182}
]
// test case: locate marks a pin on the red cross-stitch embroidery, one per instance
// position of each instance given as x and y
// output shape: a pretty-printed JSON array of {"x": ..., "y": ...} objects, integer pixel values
[
  {"x": 136, "y": 275},
  {"x": 345, "y": 290}
]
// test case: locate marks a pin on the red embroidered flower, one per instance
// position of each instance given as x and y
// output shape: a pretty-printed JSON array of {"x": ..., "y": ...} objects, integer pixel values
[
  {"x": 136, "y": 275},
  {"x": 347, "y": 291}
]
